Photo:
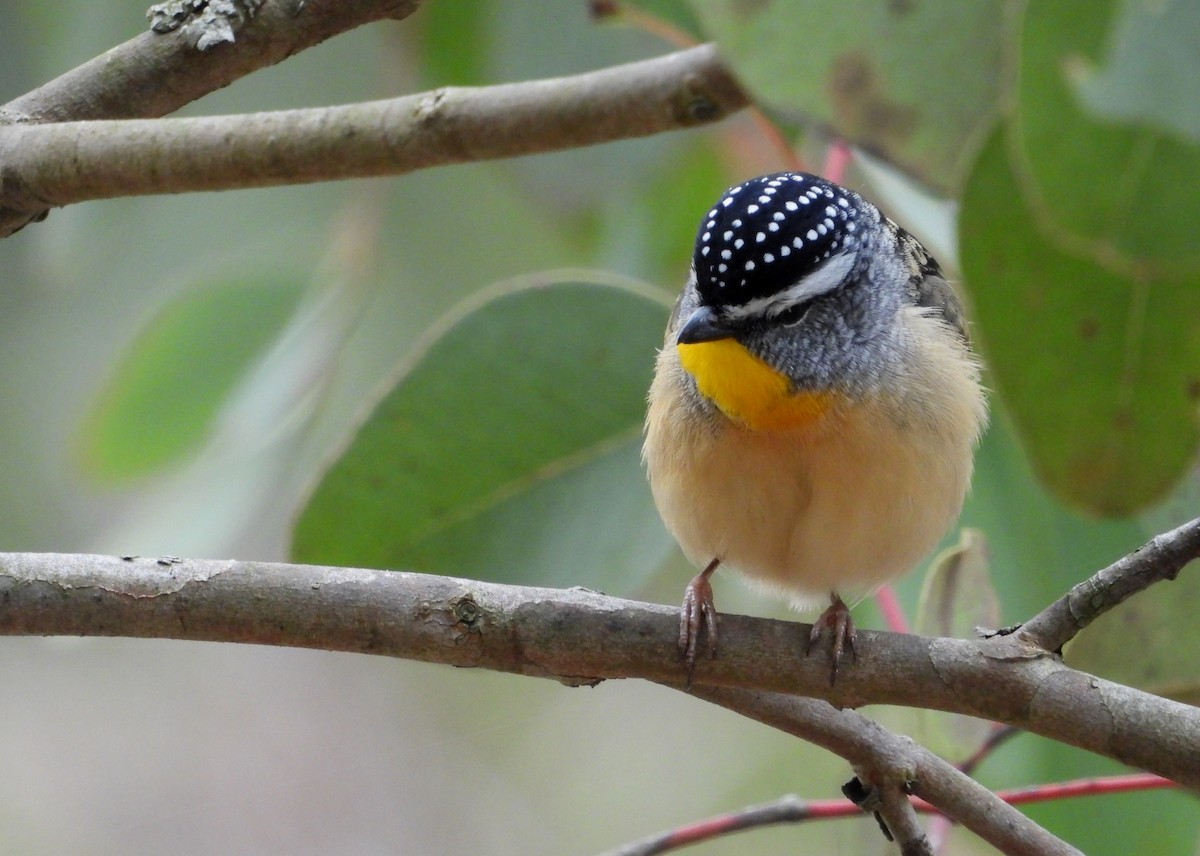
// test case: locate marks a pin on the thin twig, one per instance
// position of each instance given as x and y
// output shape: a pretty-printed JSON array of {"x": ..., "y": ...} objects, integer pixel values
[
  {"x": 1085, "y": 788},
  {"x": 999, "y": 735},
  {"x": 788, "y": 809},
  {"x": 1162, "y": 558},
  {"x": 645, "y": 21}
]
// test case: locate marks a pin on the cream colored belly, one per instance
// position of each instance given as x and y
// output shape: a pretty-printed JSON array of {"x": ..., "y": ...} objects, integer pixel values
[{"x": 841, "y": 505}]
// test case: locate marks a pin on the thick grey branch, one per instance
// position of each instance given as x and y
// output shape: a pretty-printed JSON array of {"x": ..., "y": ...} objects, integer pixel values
[
  {"x": 578, "y": 636},
  {"x": 44, "y": 166},
  {"x": 1162, "y": 558}
]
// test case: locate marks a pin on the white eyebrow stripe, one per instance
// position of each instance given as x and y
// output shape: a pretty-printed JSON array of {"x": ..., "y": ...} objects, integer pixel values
[{"x": 824, "y": 279}]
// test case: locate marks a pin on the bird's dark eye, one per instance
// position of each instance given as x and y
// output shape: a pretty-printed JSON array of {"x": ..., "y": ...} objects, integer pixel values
[{"x": 793, "y": 314}]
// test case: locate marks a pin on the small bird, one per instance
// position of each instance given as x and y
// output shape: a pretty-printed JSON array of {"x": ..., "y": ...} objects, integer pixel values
[{"x": 815, "y": 409}]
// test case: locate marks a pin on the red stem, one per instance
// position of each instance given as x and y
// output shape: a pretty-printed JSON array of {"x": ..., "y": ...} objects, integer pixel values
[
  {"x": 1085, "y": 788},
  {"x": 793, "y": 810},
  {"x": 836, "y": 161},
  {"x": 889, "y": 605}
]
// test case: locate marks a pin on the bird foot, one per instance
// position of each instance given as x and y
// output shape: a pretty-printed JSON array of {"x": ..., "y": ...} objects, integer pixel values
[
  {"x": 698, "y": 615},
  {"x": 843, "y": 634}
]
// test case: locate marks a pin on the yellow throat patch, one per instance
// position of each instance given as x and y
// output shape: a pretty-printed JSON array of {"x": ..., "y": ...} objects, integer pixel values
[{"x": 746, "y": 389}]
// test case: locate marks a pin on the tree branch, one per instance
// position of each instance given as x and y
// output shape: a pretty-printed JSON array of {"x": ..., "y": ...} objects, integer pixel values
[
  {"x": 154, "y": 74},
  {"x": 578, "y": 636},
  {"x": 890, "y": 760},
  {"x": 44, "y": 166},
  {"x": 897, "y": 813},
  {"x": 1162, "y": 558}
]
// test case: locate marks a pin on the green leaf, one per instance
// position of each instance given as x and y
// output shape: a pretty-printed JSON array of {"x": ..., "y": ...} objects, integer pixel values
[
  {"x": 508, "y": 448},
  {"x": 915, "y": 83},
  {"x": 456, "y": 42},
  {"x": 1099, "y": 364},
  {"x": 1122, "y": 190},
  {"x": 957, "y": 596},
  {"x": 202, "y": 342},
  {"x": 670, "y": 208}
]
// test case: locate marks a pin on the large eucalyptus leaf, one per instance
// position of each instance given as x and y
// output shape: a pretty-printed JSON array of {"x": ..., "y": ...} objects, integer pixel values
[
  {"x": 1098, "y": 362},
  {"x": 507, "y": 448},
  {"x": 915, "y": 83}
]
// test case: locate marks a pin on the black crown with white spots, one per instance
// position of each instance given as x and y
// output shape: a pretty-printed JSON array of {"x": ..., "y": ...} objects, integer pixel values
[{"x": 769, "y": 232}]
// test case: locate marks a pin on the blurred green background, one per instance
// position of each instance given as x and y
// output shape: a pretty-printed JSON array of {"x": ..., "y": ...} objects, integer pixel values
[{"x": 187, "y": 376}]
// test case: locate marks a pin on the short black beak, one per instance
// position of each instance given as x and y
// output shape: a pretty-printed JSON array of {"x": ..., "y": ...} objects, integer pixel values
[{"x": 705, "y": 325}]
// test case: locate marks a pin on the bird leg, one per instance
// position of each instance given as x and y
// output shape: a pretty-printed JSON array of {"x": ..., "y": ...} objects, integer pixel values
[
  {"x": 843, "y": 634},
  {"x": 697, "y": 615}
]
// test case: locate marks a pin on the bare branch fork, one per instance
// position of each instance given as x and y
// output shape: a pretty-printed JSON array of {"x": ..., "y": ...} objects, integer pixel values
[{"x": 1160, "y": 559}]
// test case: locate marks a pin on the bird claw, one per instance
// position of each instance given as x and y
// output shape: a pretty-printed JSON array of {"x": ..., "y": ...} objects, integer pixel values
[
  {"x": 843, "y": 634},
  {"x": 698, "y": 616}
]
